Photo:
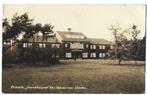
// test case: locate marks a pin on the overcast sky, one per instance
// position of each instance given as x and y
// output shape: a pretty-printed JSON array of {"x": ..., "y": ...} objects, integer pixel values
[{"x": 92, "y": 20}]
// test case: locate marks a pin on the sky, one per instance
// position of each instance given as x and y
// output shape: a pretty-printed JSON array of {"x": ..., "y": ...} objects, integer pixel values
[{"x": 91, "y": 20}]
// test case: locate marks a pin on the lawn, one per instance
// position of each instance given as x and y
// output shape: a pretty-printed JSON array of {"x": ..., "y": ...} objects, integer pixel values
[{"x": 81, "y": 76}]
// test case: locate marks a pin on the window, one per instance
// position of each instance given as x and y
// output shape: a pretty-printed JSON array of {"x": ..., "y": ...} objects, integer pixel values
[
  {"x": 111, "y": 47},
  {"x": 66, "y": 45},
  {"x": 40, "y": 45},
  {"x": 85, "y": 55},
  {"x": 24, "y": 45},
  {"x": 29, "y": 44},
  {"x": 57, "y": 45},
  {"x": 76, "y": 45},
  {"x": 68, "y": 55},
  {"x": 102, "y": 47},
  {"x": 86, "y": 45},
  {"x": 102, "y": 55},
  {"x": 92, "y": 46},
  {"x": 44, "y": 45},
  {"x": 93, "y": 55}
]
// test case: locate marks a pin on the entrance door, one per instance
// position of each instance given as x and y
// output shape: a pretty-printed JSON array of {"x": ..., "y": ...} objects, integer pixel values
[{"x": 77, "y": 54}]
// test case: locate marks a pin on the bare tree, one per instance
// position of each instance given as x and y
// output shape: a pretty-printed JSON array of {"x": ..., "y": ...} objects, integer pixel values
[{"x": 120, "y": 42}]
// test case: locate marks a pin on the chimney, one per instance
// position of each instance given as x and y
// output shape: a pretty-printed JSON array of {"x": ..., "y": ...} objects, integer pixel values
[{"x": 69, "y": 29}]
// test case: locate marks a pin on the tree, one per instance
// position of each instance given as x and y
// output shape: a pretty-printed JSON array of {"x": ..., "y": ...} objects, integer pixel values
[
  {"x": 20, "y": 24},
  {"x": 47, "y": 29},
  {"x": 120, "y": 43},
  {"x": 6, "y": 30},
  {"x": 141, "y": 49},
  {"x": 134, "y": 42}
]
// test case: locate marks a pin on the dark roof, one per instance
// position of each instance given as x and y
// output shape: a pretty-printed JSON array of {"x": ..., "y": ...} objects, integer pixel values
[
  {"x": 100, "y": 41},
  {"x": 64, "y": 33}
]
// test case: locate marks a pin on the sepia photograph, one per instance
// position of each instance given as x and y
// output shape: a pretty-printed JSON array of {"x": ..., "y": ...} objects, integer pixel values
[{"x": 73, "y": 48}]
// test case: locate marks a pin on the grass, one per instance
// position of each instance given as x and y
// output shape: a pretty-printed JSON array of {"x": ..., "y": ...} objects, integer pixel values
[{"x": 96, "y": 76}]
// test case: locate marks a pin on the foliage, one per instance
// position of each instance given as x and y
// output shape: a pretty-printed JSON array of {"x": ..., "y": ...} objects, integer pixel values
[
  {"x": 124, "y": 48},
  {"x": 22, "y": 25}
]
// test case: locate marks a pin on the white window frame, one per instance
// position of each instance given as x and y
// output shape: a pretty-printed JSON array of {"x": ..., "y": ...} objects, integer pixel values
[
  {"x": 104, "y": 47},
  {"x": 40, "y": 45},
  {"x": 111, "y": 47},
  {"x": 25, "y": 45},
  {"x": 68, "y": 55},
  {"x": 104, "y": 55},
  {"x": 100, "y": 55},
  {"x": 29, "y": 44},
  {"x": 85, "y": 55},
  {"x": 87, "y": 46},
  {"x": 91, "y": 46},
  {"x": 93, "y": 55},
  {"x": 66, "y": 45},
  {"x": 94, "y": 46},
  {"x": 43, "y": 45},
  {"x": 100, "y": 46}
]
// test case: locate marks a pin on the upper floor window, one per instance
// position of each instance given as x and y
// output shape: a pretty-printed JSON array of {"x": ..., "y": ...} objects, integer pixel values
[
  {"x": 92, "y": 46},
  {"x": 86, "y": 45},
  {"x": 102, "y": 47},
  {"x": 111, "y": 47},
  {"x": 58, "y": 45},
  {"x": 76, "y": 45},
  {"x": 66, "y": 45}
]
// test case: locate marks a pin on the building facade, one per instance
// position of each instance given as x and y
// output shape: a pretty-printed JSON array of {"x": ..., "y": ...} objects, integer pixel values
[{"x": 71, "y": 45}]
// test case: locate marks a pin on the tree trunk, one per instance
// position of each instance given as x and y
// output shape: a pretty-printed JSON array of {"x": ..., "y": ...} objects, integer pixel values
[
  {"x": 135, "y": 61},
  {"x": 119, "y": 61}
]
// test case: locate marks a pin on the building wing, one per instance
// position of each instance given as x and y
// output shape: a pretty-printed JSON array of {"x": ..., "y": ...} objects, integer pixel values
[{"x": 100, "y": 41}]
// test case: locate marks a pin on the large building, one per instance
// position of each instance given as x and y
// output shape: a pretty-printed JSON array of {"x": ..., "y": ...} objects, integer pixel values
[{"x": 72, "y": 45}]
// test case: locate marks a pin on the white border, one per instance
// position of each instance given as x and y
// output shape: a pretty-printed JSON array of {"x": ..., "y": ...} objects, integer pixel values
[{"x": 61, "y": 2}]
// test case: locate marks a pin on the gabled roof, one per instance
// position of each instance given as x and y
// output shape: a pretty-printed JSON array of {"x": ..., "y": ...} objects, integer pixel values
[
  {"x": 63, "y": 35},
  {"x": 100, "y": 41}
]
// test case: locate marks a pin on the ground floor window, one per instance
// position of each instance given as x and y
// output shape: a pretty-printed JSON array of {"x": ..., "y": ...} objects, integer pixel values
[
  {"x": 24, "y": 45},
  {"x": 85, "y": 55},
  {"x": 42, "y": 45},
  {"x": 29, "y": 44},
  {"x": 101, "y": 55},
  {"x": 68, "y": 55},
  {"x": 92, "y": 55}
]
